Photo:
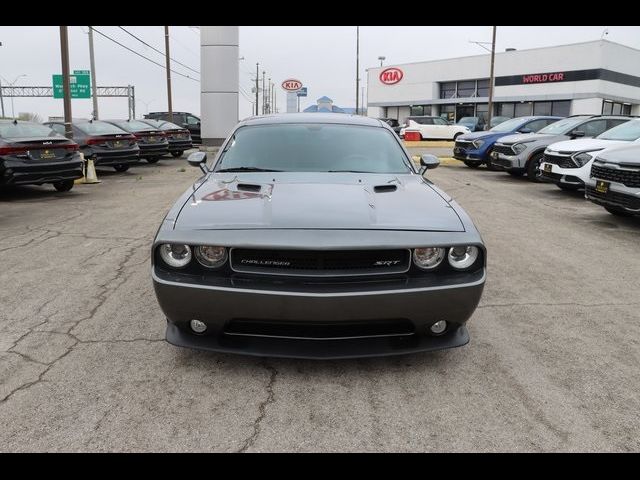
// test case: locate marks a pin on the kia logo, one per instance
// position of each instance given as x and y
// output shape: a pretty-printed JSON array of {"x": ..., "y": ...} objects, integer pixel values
[
  {"x": 292, "y": 85},
  {"x": 391, "y": 76}
]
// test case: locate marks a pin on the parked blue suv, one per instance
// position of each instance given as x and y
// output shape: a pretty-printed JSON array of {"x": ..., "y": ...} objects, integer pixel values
[{"x": 475, "y": 148}]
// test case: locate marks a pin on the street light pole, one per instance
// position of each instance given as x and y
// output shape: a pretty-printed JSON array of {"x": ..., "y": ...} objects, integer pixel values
[
  {"x": 491, "y": 78},
  {"x": 382, "y": 59},
  {"x": 66, "y": 81},
  {"x": 357, "y": 67},
  {"x": 94, "y": 88},
  {"x": 168, "y": 61},
  {"x": 257, "y": 86}
]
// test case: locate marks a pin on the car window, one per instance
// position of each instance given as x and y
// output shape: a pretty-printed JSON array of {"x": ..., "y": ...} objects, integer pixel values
[
  {"x": 628, "y": 131},
  {"x": 99, "y": 128},
  {"x": 440, "y": 121},
  {"x": 423, "y": 121},
  {"x": 614, "y": 122},
  {"x": 593, "y": 128},
  {"x": 191, "y": 120},
  {"x": 561, "y": 127},
  {"x": 133, "y": 125},
  {"x": 170, "y": 126},
  {"x": 315, "y": 148},
  {"x": 508, "y": 126},
  {"x": 25, "y": 130},
  {"x": 57, "y": 127},
  {"x": 537, "y": 124}
]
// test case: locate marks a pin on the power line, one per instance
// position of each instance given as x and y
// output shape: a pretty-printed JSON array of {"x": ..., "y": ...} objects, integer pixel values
[
  {"x": 140, "y": 55},
  {"x": 154, "y": 48}
]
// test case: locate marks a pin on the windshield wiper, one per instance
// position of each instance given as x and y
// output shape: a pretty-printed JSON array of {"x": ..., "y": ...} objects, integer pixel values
[
  {"x": 348, "y": 171},
  {"x": 246, "y": 169}
]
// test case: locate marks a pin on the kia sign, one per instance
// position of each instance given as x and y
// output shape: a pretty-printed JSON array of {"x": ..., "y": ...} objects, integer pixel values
[
  {"x": 292, "y": 85},
  {"x": 391, "y": 76}
]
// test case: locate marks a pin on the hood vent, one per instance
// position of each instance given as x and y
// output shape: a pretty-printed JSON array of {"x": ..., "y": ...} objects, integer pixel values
[
  {"x": 248, "y": 187},
  {"x": 384, "y": 188}
]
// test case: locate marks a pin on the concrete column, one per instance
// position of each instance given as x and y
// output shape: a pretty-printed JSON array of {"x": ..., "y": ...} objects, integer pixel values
[{"x": 219, "y": 82}]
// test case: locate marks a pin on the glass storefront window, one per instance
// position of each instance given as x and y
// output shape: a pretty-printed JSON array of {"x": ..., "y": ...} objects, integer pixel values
[
  {"x": 483, "y": 88},
  {"x": 466, "y": 89},
  {"x": 561, "y": 108},
  {"x": 506, "y": 110},
  {"x": 448, "y": 112},
  {"x": 542, "y": 108},
  {"x": 626, "y": 109},
  {"x": 522, "y": 109},
  {"x": 617, "y": 108},
  {"x": 416, "y": 110},
  {"x": 448, "y": 90}
]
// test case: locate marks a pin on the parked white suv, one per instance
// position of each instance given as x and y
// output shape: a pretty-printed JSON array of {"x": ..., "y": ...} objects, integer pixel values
[
  {"x": 568, "y": 163},
  {"x": 432, "y": 128}
]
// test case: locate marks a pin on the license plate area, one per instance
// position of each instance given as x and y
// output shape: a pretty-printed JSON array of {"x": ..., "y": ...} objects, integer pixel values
[{"x": 602, "y": 187}]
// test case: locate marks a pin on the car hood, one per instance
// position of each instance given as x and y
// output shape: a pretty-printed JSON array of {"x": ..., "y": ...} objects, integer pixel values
[
  {"x": 525, "y": 137},
  {"x": 480, "y": 135},
  {"x": 584, "y": 145},
  {"x": 318, "y": 201}
]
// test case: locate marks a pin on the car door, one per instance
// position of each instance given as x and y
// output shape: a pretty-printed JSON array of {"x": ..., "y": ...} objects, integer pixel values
[
  {"x": 425, "y": 126},
  {"x": 193, "y": 125},
  {"x": 441, "y": 129}
]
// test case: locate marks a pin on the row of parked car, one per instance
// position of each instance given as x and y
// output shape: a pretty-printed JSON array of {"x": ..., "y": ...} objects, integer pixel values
[
  {"x": 428, "y": 127},
  {"x": 33, "y": 153},
  {"x": 598, "y": 153}
]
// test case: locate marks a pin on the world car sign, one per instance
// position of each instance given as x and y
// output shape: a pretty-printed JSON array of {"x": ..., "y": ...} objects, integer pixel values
[
  {"x": 391, "y": 76},
  {"x": 292, "y": 85}
]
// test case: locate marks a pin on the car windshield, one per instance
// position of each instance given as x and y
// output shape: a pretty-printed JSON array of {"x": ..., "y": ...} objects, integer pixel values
[
  {"x": 314, "y": 147},
  {"x": 508, "y": 125},
  {"x": 25, "y": 130},
  {"x": 562, "y": 126},
  {"x": 628, "y": 131},
  {"x": 468, "y": 121},
  {"x": 99, "y": 128},
  {"x": 170, "y": 126}
]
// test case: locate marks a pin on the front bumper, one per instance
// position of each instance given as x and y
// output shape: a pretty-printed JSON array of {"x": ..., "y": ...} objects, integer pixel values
[
  {"x": 417, "y": 303},
  {"x": 468, "y": 155},
  {"x": 617, "y": 195},
  {"x": 507, "y": 162},
  {"x": 563, "y": 176},
  {"x": 26, "y": 172}
]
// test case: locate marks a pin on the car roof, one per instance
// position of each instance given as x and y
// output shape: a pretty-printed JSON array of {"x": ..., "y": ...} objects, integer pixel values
[{"x": 312, "y": 117}]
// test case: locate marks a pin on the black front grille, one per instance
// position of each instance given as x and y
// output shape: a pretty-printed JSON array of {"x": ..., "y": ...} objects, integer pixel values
[
  {"x": 501, "y": 162},
  {"x": 629, "y": 178},
  {"x": 320, "y": 263},
  {"x": 464, "y": 144},
  {"x": 504, "y": 149},
  {"x": 319, "y": 330},
  {"x": 611, "y": 197},
  {"x": 560, "y": 160}
]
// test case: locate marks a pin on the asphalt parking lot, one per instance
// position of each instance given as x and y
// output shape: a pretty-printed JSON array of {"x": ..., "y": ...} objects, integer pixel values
[{"x": 552, "y": 364}]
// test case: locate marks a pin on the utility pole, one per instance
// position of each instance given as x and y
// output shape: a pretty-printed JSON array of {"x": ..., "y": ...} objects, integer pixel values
[
  {"x": 94, "y": 83},
  {"x": 363, "y": 112},
  {"x": 491, "y": 77},
  {"x": 357, "y": 67},
  {"x": 257, "y": 85},
  {"x": 166, "y": 50},
  {"x": 275, "y": 97},
  {"x": 264, "y": 97},
  {"x": 1, "y": 98},
  {"x": 269, "y": 96},
  {"x": 66, "y": 82}
]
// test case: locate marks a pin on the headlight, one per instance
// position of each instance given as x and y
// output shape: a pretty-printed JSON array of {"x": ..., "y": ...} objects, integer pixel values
[
  {"x": 463, "y": 257},
  {"x": 210, "y": 256},
  {"x": 519, "y": 148},
  {"x": 582, "y": 159},
  {"x": 477, "y": 143},
  {"x": 176, "y": 256},
  {"x": 428, "y": 258}
]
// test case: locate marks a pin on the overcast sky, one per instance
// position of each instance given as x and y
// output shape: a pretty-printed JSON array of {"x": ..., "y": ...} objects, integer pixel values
[{"x": 323, "y": 58}]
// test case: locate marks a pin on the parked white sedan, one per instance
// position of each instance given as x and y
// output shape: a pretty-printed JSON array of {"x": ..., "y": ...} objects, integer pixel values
[{"x": 432, "y": 128}]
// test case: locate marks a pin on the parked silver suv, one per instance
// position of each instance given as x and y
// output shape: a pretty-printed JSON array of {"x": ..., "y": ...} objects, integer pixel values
[
  {"x": 615, "y": 180},
  {"x": 522, "y": 153}
]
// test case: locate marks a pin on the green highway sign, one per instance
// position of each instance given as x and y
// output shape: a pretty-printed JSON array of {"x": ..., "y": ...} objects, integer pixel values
[
  {"x": 80, "y": 85},
  {"x": 81, "y": 72}
]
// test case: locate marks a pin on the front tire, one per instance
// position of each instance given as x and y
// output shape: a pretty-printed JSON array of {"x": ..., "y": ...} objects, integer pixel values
[
  {"x": 63, "y": 186},
  {"x": 121, "y": 168},
  {"x": 618, "y": 212},
  {"x": 153, "y": 159},
  {"x": 471, "y": 164},
  {"x": 568, "y": 188},
  {"x": 515, "y": 173},
  {"x": 177, "y": 154},
  {"x": 533, "y": 167}
]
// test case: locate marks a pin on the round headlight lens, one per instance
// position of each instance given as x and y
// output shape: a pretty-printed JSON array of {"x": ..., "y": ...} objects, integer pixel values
[
  {"x": 463, "y": 257},
  {"x": 176, "y": 256},
  {"x": 428, "y": 258},
  {"x": 211, "y": 256}
]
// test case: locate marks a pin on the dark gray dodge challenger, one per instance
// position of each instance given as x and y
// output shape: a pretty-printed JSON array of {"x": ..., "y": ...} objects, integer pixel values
[{"x": 314, "y": 236}]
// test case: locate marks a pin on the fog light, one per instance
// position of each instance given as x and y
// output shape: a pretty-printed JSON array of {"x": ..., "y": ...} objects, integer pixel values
[
  {"x": 437, "y": 328},
  {"x": 197, "y": 326}
]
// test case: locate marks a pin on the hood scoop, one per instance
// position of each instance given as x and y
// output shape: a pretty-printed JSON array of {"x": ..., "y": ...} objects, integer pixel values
[
  {"x": 385, "y": 188},
  {"x": 249, "y": 187}
]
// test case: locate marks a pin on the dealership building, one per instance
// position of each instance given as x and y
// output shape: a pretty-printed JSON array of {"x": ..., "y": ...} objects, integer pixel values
[{"x": 599, "y": 77}]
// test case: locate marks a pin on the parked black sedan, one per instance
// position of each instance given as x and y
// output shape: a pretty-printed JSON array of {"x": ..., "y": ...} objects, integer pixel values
[
  {"x": 104, "y": 143},
  {"x": 179, "y": 138},
  {"x": 152, "y": 142},
  {"x": 33, "y": 154}
]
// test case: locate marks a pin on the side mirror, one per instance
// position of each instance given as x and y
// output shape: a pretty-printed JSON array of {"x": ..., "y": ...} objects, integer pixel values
[
  {"x": 577, "y": 134},
  {"x": 198, "y": 159},
  {"x": 525, "y": 130},
  {"x": 428, "y": 162}
]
